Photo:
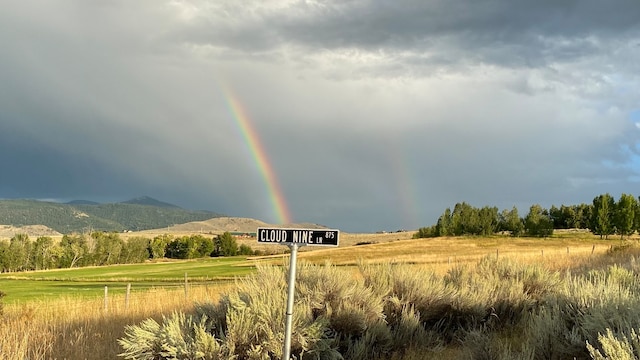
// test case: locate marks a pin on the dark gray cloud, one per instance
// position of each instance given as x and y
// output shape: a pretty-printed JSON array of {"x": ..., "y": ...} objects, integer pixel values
[
  {"x": 513, "y": 33},
  {"x": 374, "y": 114}
]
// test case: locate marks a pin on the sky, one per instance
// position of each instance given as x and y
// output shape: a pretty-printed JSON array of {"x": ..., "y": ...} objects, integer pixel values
[{"x": 357, "y": 115}]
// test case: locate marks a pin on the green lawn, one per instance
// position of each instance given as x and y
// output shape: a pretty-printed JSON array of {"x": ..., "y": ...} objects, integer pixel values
[{"x": 90, "y": 281}]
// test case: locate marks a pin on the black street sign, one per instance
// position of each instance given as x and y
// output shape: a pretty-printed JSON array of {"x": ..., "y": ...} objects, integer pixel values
[{"x": 314, "y": 237}]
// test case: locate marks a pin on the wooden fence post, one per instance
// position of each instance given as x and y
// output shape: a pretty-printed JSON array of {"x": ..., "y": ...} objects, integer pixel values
[
  {"x": 106, "y": 298},
  {"x": 126, "y": 299},
  {"x": 186, "y": 287}
]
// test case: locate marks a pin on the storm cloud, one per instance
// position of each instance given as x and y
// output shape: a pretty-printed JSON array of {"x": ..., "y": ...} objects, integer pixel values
[{"x": 374, "y": 114}]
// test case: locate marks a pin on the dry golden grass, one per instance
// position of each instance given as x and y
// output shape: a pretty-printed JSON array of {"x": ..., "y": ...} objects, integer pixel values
[
  {"x": 81, "y": 329},
  {"x": 439, "y": 254}
]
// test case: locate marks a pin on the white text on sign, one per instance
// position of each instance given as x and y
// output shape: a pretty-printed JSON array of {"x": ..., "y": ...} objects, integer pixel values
[
  {"x": 318, "y": 237},
  {"x": 266, "y": 235}
]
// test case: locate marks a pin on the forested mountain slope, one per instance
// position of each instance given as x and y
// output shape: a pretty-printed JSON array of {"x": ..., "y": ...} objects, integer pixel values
[{"x": 136, "y": 214}]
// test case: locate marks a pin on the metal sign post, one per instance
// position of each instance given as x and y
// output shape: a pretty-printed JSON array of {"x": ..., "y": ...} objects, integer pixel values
[
  {"x": 286, "y": 352},
  {"x": 295, "y": 238}
]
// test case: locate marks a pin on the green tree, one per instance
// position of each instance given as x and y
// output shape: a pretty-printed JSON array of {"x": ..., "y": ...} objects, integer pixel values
[
  {"x": 538, "y": 222},
  {"x": 135, "y": 250},
  {"x": 569, "y": 217},
  {"x": 487, "y": 220},
  {"x": 636, "y": 220},
  {"x": 225, "y": 245},
  {"x": 75, "y": 251},
  {"x": 189, "y": 247},
  {"x": 512, "y": 222},
  {"x": 457, "y": 223},
  {"x": 203, "y": 246},
  {"x": 107, "y": 248},
  {"x": 465, "y": 220},
  {"x": 625, "y": 215},
  {"x": 444, "y": 225},
  {"x": 602, "y": 217},
  {"x": 4, "y": 255},
  {"x": 426, "y": 232},
  {"x": 583, "y": 215},
  {"x": 180, "y": 248},
  {"x": 44, "y": 254},
  {"x": 19, "y": 255},
  {"x": 245, "y": 250},
  {"x": 158, "y": 246},
  {"x": 557, "y": 217}
]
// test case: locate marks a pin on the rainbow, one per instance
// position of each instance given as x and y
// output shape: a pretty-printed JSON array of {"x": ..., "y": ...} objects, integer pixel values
[
  {"x": 260, "y": 157},
  {"x": 406, "y": 188}
]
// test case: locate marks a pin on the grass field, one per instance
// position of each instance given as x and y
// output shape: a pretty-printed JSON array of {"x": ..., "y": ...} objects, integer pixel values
[
  {"x": 438, "y": 253},
  {"x": 90, "y": 281},
  {"x": 61, "y": 313}
]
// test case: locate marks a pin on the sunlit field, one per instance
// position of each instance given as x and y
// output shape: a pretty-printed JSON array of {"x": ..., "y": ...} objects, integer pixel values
[
  {"x": 63, "y": 314},
  {"x": 90, "y": 281},
  {"x": 73, "y": 327},
  {"x": 439, "y": 254}
]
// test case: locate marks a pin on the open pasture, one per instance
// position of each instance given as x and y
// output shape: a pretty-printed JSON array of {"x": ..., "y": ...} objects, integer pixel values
[
  {"x": 90, "y": 281},
  {"x": 61, "y": 313},
  {"x": 439, "y": 254},
  {"x": 73, "y": 327}
]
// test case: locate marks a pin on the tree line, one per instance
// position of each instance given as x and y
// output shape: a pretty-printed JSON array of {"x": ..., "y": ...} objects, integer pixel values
[
  {"x": 20, "y": 253},
  {"x": 604, "y": 216}
]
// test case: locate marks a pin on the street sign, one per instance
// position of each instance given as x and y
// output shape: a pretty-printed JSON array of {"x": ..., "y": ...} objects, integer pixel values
[
  {"x": 295, "y": 238},
  {"x": 313, "y": 237}
]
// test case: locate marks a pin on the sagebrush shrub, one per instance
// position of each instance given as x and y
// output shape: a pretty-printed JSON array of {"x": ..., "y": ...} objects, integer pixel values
[
  {"x": 178, "y": 337},
  {"x": 498, "y": 309},
  {"x": 496, "y": 294},
  {"x": 621, "y": 347}
]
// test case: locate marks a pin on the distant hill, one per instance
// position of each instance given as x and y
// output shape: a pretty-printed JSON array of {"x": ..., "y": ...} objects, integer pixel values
[
  {"x": 9, "y": 231},
  {"x": 78, "y": 216},
  {"x": 145, "y": 200},
  {"x": 82, "y": 202},
  {"x": 230, "y": 224}
]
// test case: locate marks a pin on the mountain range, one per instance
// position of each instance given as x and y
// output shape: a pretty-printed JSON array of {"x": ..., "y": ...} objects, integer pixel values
[{"x": 141, "y": 213}]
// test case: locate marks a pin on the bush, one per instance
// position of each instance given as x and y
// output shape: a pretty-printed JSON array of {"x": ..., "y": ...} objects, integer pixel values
[
  {"x": 621, "y": 347},
  {"x": 498, "y": 309},
  {"x": 245, "y": 250},
  {"x": 189, "y": 247},
  {"x": 426, "y": 232},
  {"x": 178, "y": 337},
  {"x": 247, "y": 323}
]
